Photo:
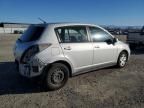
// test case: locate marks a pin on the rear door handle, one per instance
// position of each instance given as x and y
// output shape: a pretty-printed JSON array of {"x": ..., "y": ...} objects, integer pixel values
[
  {"x": 96, "y": 47},
  {"x": 67, "y": 48}
]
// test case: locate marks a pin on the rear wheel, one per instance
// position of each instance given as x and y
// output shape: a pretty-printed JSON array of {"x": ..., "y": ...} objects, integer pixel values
[
  {"x": 122, "y": 60},
  {"x": 56, "y": 76}
]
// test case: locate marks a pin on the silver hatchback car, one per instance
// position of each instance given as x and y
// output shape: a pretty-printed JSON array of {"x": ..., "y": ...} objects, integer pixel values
[{"x": 56, "y": 51}]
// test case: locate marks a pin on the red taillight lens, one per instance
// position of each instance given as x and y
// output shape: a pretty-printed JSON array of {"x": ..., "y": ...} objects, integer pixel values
[{"x": 33, "y": 50}]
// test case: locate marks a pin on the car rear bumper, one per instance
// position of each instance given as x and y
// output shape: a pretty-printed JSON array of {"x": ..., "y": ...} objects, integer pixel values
[{"x": 31, "y": 69}]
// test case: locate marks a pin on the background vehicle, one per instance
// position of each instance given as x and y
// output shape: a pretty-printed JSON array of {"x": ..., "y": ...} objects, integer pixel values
[
  {"x": 136, "y": 39},
  {"x": 57, "y": 51}
]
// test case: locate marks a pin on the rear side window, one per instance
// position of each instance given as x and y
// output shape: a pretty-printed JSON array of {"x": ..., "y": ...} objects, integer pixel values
[
  {"x": 32, "y": 34},
  {"x": 75, "y": 34}
]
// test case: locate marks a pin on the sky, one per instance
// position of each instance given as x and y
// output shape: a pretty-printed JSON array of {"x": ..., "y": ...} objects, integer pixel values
[{"x": 101, "y": 12}]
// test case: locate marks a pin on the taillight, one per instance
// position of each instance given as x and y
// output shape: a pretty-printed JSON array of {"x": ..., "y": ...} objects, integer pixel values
[{"x": 32, "y": 51}]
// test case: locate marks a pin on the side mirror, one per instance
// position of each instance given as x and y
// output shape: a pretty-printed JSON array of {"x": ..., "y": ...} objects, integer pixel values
[
  {"x": 115, "y": 40},
  {"x": 109, "y": 41}
]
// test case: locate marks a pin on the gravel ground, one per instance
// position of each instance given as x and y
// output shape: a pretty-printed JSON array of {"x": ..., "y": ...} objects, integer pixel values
[{"x": 105, "y": 88}]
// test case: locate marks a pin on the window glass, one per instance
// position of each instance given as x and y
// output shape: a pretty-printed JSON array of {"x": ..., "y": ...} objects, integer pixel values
[
  {"x": 33, "y": 33},
  {"x": 72, "y": 34},
  {"x": 99, "y": 35}
]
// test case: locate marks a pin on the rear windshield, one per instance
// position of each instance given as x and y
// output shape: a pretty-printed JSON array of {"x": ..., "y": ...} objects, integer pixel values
[{"x": 33, "y": 33}]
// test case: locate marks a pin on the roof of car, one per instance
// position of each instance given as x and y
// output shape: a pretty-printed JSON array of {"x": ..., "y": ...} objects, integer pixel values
[
  {"x": 62, "y": 24},
  {"x": 68, "y": 24}
]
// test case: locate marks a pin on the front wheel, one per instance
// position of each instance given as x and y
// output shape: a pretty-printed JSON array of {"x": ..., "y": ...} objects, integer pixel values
[
  {"x": 56, "y": 76},
  {"x": 122, "y": 60}
]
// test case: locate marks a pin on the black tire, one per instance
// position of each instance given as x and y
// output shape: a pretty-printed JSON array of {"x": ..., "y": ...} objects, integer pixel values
[
  {"x": 122, "y": 59},
  {"x": 56, "y": 77}
]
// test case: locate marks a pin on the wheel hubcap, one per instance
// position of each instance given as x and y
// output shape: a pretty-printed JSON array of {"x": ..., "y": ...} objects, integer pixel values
[
  {"x": 123, "y": 59},
  {"x": 57, "y": 76}
]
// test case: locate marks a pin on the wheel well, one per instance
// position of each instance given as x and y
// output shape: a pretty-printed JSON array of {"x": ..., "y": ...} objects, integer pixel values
[
  {"x": 125, "y": 52},
  {"x": 67, "y": 64}
]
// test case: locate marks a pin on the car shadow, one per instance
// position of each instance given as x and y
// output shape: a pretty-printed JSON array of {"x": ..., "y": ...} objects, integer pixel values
[{"x": 12, "y": 83}]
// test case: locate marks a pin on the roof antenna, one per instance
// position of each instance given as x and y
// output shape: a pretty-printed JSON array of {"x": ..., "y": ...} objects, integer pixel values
[{"x": 42, "y": 20}]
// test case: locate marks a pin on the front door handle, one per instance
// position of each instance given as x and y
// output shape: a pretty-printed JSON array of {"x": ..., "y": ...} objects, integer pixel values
[{"x": 67, "y": 48}]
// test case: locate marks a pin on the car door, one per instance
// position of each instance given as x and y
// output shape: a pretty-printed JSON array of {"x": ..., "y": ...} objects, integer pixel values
[
  {"x": 76, "y": 46},
  {"x": 104, "y": 50}
]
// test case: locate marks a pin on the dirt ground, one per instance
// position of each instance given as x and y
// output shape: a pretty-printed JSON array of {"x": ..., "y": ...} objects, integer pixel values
[{"x": 105, "y": 88}]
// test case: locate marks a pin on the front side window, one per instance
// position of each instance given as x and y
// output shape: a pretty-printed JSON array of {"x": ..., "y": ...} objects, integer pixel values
[
  {"x": 99, "y": 35},
  {"x": 75, "y": 34}
]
